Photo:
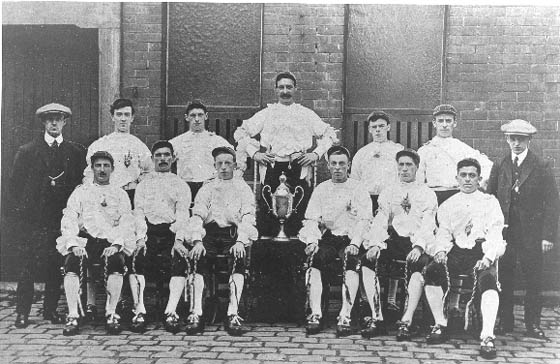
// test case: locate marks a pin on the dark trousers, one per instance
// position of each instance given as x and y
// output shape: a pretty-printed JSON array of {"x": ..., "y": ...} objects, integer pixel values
[
  {"x": 267, "y": 223},
  {"x": 39, "y": 257},
  {"x": 530, "y": 259}
]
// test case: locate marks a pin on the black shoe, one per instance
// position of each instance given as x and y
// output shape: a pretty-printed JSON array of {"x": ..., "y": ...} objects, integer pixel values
[
  {"x": 22, "y": 321},
  {"x": 234, "y": 326},
  {"x": 171, "y": 323},
  {"x": 72, "y": 327},
  {"x": 195, "y": 324},
  {"x": 403, "y": 331},
  {"x": 54, "y": 317},
  {"x": 113, "y": 325},
  {"x": 313, "y": 325},
  {"x": 138, "y": 323},
  {"x": 343, "y": 327},
  {"x": 487, "y": 348},
  {"x": 535, "y": 332},
  {"x": 91, "y": 313},
  {"x": 369, "y": 329},
  {"x": 438, "y": 335}
]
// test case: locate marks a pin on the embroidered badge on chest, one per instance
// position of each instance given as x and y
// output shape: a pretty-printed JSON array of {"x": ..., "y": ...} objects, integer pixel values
[
  {"x": 405, "y": 204},
  {"x": 469, "y": 227},
  {"x": 104, "y": 201},
  {"x": 127, "y": 159}
]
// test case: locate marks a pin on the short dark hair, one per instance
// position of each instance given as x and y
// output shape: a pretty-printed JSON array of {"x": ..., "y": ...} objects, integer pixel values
[
  {"x": 162, "y": 144},
  {"x": 378, "y": 114},
  {"x": 409, "y": 153},
  {"x": 338, "y": 150},
  {"x": 285, "y": 75},
  {"x": 469, "y": 162},
  {"x": 119, "y": 104},
  {"x": 223, "y": 150},
  {"x": 196, "y": 105},
  {"x": 101, "y": 154}
]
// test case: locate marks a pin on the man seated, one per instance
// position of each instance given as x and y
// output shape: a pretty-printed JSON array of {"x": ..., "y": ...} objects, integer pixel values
[
  {"x": 339, "y": 211},
  {"x": 161, "y": 208},
  {"x": 223, "y": 222},
  {"x": 402, "y": 230},
  {"x": 469, "y": 239},
  {"x": 97, "y": 228}
]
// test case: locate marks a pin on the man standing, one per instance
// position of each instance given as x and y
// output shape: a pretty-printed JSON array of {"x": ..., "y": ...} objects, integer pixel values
[
  {"x": 469, "y": 238},
  {"x": 45, "y": 173},
  {"x": 403, "y": 229},
  {"x": 223, "y": 222},
  {"x": 525, "y": 187},
  {"x": 161, "y": 208},
  {"x": 374, "y": 164},
  {"x": 97, "y": 227},
  {"x": 339, "y": 212},
  {"x": 439, "y": 156},
  {"x": 286, "y": 133},
  {"x": 193, "y": 149},
  {"x": 132, "y": 156}
]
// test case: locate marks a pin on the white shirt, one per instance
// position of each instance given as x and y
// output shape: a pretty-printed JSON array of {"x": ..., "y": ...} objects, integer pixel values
[
  {"x": 438, "y": 163},
  {"x": 374, "y": 164},
  {"x": 50, "y": 140},
  {"x": 194, "y": 154},
  {"x": 227, "y": 203},
  {"x": 343, "y": 208},
  {"x": 162, "y": 198},
  {"x": 102, "y": 211},
  {"x": 410, "y": 208},
  {"x": 132, "y": 158},
  {"x": 520, "y": 157},
  {"x": 464, "y": 218}
]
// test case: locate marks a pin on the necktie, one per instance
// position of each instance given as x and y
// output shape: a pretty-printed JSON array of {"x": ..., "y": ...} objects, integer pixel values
[
  {"x": 54, "y": 145},
  {"x": 515, "y": 161}
]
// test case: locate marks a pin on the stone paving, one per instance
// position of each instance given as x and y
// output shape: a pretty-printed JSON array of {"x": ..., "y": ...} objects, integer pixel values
[{"x": 43, "y": 342}]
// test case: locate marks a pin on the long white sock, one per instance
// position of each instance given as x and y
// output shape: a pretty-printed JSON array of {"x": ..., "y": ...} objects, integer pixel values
[
  {"x": 90, "y": 288},
  {"x": 114, "y": 287},
  {"x": 392, "y": 292},
  {"x": 72, "y": 291},
  {"x": 353, "y": 283},
  {"x": 176, "y": 286},
  {"x": 434, "y": 295},
  {"x": 372, "y": 291},
  {"x": 415, "y": 288},
  {"x": 137, "y": 285},
  {"x": 198, "y": 290},
  {"x": 236, "y": 282},
  {"x": 489, "y": 304},
  {"x": 315, "y": 290}
]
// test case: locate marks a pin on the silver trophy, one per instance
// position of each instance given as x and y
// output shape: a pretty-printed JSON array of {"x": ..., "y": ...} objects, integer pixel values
[{"x": 282, "y": 204}]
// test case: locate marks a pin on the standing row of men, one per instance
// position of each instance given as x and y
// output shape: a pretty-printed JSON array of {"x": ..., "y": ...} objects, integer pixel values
[{"x": 280, "y": 139}]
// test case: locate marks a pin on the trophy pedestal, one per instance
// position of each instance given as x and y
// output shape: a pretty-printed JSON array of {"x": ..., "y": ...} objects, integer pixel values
[{"x": 281, "y": 234}]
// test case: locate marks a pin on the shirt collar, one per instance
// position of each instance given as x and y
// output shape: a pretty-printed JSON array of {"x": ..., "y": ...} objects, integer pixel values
[
  {"x": 520, "y": 157},
  {"x": 49, "y": 139}
]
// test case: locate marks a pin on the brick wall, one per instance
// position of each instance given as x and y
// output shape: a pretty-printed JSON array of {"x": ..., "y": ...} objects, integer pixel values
[
  {"x": 142, "y": 67},
  {"x": 504, "y": 64}
]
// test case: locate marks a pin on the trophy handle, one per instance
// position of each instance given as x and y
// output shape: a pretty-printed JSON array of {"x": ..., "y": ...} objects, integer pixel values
[
  {"x": 266, "y": 188},
  {"x": 298, "y": 188}
]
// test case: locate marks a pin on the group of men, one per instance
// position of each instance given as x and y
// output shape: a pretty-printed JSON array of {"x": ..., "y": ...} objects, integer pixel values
[{"x": 428, "y": 208}]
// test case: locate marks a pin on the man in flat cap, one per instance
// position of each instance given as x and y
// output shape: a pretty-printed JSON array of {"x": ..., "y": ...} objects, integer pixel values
[
  {"x": 222, "y": 222},
  {"x": 45, "y": 173},
  {"x": 439, "y": 156},
  {"x": 97, "y": 227},
  {"x": 193, "y": 149},
  {"x": 524, "y": 184},
  {"x": 336, "y": 219},
  {"x": 287, "y": 131},
  {"x": 132, "y": 156},
  {"x": 374, "y": 164}
]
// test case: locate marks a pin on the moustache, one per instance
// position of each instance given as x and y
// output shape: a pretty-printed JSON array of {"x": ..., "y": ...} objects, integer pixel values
[
  {"x": 163, "y": 163},
  {"x": 286, "y": 96}
]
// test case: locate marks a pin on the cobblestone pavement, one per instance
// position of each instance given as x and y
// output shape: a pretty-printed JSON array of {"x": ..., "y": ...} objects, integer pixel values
[{"x": 43, "y": 342}]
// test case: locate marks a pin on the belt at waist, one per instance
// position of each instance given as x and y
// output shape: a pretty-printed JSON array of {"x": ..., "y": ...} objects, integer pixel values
[
  {"x": 226, "y": 232},
  {"x": 83, "y": 234}
]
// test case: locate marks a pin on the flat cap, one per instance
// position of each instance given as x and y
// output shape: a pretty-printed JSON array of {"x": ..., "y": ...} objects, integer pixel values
[
  {"x": 409, "y": 153},
  {"x": 53, "y": 108},
  {"x": 101, "y": 154},
  {"x": 519, "y": 127},
  {"x": 222, "y": 150},
  {"x": 444, "y": 109},
  {"x": 338, "y": 149}
]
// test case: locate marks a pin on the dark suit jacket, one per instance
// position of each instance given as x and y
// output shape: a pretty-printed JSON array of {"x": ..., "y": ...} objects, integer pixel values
[
  {"x": 538, "y": 196},
  {"x": 33, "y": 198}
]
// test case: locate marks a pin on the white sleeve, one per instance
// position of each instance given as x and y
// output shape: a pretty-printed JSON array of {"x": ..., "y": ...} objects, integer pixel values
[
  {"x": 494, "y": 246},
  {"x": 70, "y": 225},
  {"x": 310, "y": 232}
]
